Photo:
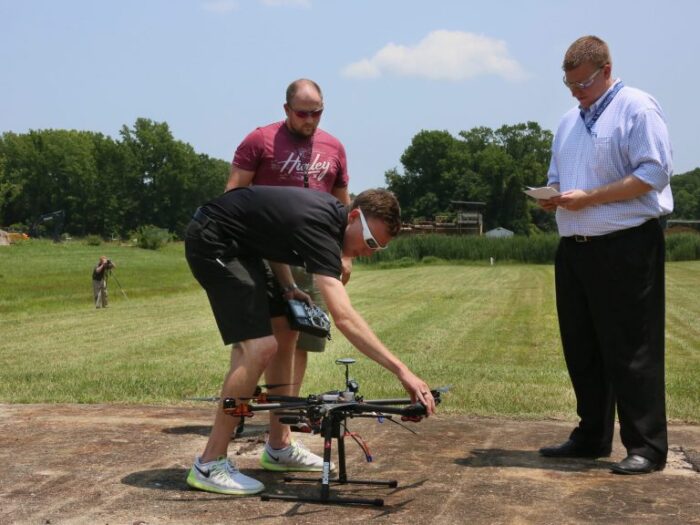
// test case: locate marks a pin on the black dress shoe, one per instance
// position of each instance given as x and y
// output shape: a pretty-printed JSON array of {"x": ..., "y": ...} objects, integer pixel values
[
  {"x": 571, "y": 449},
  {"x": 634, "y": 464}
]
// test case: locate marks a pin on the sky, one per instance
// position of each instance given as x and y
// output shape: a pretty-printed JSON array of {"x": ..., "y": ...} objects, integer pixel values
[{"x": 214, "y": 70}]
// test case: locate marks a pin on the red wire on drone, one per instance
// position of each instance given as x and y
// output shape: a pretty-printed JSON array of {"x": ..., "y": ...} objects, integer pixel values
[{"x": 362, "y": 444}]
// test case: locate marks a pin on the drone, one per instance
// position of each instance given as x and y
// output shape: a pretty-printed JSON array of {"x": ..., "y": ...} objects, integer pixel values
[{"x": 327, "y": 414}]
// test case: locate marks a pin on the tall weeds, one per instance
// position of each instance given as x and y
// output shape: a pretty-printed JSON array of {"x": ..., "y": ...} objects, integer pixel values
[{"x": 537, "y": 249}]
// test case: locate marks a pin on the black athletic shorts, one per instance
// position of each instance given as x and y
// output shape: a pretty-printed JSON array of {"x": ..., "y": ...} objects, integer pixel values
[{"x": 242, "y": 291}]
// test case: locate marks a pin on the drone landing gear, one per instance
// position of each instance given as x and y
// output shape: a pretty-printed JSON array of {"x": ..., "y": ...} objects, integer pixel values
[{"x": 331, "y": 428}]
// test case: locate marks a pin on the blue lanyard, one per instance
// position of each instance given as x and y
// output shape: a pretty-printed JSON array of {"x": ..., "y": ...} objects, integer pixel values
[{"x": 601, "y": 107}]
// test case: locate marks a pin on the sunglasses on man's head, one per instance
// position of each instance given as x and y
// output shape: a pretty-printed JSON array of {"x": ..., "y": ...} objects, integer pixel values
[
  {"x": 306, "y": 114},
  {"x": 370, "y": 241}
]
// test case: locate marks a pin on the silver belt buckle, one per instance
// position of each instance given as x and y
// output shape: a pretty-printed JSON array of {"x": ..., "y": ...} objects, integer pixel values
[{"x": 581, "y": 238}]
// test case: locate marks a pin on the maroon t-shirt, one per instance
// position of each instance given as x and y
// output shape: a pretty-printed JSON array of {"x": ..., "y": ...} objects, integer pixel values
[{"x": 280, "y": 158}]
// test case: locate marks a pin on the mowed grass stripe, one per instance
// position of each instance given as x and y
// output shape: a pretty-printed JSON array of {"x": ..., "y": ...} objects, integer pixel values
[
  {"x": 683, "y": 340},
  {"x": 489, "y": 331},
  {"x": 480, "y": 329}
]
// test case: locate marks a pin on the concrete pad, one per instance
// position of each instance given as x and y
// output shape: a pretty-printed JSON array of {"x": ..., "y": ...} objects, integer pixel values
[{"x": 74, "y": 464}]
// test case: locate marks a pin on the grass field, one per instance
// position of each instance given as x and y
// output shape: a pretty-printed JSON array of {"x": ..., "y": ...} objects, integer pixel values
[{"x": 489, "y": 331}]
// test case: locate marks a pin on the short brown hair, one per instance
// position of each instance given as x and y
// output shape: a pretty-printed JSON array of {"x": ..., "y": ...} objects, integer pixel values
[
  {"x": 294, "y": 87},
  {"x": 380, "y": 204},
  {"x": 589, "y": 49}
]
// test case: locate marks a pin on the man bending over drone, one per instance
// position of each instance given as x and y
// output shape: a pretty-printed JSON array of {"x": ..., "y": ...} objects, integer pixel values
[{"x": 225, "y": 245}]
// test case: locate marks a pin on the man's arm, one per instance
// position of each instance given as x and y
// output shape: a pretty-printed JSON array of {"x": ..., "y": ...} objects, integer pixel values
[
  {"x": 357, "y": 331},
  {"x": 343, "y": 195},
  {"x": 239, "y": 178},
  {"x": 104, "y": 265},
  {"x": 284, "y": 276},
  {"x": 624, "y": 189}
]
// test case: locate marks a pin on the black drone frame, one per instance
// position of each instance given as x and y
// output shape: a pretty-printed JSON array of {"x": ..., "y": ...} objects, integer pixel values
[{"x": 327, "y": 414}]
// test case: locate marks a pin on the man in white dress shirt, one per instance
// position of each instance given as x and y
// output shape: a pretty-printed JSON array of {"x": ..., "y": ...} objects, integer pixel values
[{"x": 611, "y": 161}]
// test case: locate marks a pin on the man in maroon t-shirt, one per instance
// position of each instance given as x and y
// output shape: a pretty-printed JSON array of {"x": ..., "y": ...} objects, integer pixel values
[{"x": 294, "y": 152}]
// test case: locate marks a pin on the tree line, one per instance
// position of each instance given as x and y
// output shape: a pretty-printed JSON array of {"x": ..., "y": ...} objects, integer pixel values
[
  {"x": 112, "y": 187},
  {"x": 105, "y": 186},
  {"x": 686, "y": 195},
  {"x": 493, "y": 167}
]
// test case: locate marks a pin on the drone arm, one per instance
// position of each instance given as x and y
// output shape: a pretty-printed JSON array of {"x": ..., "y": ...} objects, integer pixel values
[
  {"x": 291, "y": 420},
  {"x": 417, "y": 409},
  {"x": 284, "y": 399},
  {"x": 244, "y": 409},
  {"x": 404, "y": 401},
  {"x": 259, "y": 407},
  {"x": 398, "y": 401}
]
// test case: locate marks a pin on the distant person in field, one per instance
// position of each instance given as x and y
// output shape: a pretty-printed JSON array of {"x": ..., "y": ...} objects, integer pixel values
[
  {"x": 294, "y": 152},
  {"x": 611, "y": 161},
  {"x": 99, "y": 281},
  {"x": 227, "y": 244}
]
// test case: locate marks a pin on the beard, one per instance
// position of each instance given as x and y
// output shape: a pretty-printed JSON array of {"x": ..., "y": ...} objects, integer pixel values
[{"x": 304, "y": 131}]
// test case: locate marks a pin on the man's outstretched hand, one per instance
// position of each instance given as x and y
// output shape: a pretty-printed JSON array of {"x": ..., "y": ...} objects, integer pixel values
[{"x": 418, "y": 390}]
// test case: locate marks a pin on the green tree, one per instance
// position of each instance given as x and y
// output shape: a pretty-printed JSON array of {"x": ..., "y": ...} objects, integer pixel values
[
  {"x": 55, "y": 170},
  {"x": 686, "y": 195},
  {"x": 480, "y": 165},
  {"x": 8, "y": 189},
  {"x": 117, "y": 188},
  {"x": 170, "y": 178},
  {"x": 105, "y": 186}
]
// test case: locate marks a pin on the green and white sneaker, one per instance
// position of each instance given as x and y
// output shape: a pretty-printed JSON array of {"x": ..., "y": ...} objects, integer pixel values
[
  {"x": 221, "y": 476},
  {"x": 294, "y": 458}
]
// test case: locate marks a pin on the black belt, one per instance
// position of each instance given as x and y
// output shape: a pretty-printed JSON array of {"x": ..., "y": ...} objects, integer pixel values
[{"x": 607, "y": 236}]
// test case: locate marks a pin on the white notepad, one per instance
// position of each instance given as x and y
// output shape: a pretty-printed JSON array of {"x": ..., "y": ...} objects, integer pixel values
[{"x": 544, "y": 193}]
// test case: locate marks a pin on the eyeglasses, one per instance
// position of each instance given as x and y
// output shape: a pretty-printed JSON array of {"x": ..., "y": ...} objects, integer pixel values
[
  {"x": 306, "y": 114},
  {"x": 586, "y": 83},
  {"x": 370, "y": 241}
]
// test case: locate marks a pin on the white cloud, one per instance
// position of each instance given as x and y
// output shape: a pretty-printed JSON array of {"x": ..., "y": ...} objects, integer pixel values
[
  {"x": 221, "y": 6},
  {"x": 287, "y": 3},
  {"x": 363, "y": 69},
  {"x": 442, "y": 55}
]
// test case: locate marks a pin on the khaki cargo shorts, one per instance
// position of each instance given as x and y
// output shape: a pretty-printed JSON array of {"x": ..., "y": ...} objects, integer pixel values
[{"x": 305, "y": 281}]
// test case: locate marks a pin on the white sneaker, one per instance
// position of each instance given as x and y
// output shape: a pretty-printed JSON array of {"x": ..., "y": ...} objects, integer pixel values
[
  {"x": 295, "y": 457},
  {"x": 221, "y": 476}
]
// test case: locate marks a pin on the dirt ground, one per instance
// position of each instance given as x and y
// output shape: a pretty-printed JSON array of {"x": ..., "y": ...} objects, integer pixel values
[{"x": 107, "y": 464}]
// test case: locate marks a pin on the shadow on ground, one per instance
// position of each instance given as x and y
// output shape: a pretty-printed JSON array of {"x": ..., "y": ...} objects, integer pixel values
[{"x": 127, "y": 464}]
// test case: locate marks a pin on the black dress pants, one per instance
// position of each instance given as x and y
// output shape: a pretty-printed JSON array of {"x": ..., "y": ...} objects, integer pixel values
[{"x": 611, "y": 307}]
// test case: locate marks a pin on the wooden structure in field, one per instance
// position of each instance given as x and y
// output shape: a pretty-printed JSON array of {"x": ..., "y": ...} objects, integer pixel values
[{"x": 468, "y": 220}]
